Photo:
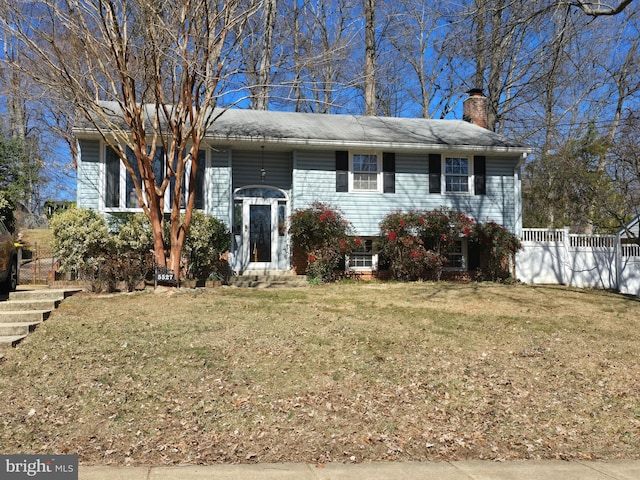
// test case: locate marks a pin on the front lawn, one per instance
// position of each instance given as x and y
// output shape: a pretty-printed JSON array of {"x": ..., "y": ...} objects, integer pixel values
[{"x": 343, "y": 372}]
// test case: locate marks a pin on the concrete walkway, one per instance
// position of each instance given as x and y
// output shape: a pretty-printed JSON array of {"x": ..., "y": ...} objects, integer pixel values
[{"x": 462, "y": 470}]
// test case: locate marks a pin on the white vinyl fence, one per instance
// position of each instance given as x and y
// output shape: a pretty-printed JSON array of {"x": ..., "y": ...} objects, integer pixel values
[{"x": 555, "y": 256}]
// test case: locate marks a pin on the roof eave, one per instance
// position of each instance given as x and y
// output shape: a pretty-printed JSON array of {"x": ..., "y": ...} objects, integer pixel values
[{"x": 368, "y": 145}]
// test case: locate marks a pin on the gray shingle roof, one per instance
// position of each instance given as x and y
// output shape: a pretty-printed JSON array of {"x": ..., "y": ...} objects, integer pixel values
[{"x": 237, "y": 126}]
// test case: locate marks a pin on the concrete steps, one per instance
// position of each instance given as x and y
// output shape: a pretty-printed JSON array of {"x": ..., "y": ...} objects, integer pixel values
[
  {"x": 268, "y": 281},
  {"x": 25, "y": 310}
]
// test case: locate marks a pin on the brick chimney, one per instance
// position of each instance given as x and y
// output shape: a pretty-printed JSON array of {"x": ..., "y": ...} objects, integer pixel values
[{"x": 474, "y": 108}]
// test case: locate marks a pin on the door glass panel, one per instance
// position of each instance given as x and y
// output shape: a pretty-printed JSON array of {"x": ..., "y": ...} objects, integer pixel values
[{"x": 260, "y": 232}]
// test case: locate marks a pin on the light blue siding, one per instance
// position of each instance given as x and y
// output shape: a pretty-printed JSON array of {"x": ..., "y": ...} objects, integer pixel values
[
  {"x": 88, "y": 183},
  {"x": 314, "y": 180},
  {"x": 247, "y": 166},
  {"x": 218, "y": 181}
]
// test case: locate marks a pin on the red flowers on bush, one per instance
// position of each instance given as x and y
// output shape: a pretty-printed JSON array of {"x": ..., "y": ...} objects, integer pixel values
[{"x": 324, "y": 236}]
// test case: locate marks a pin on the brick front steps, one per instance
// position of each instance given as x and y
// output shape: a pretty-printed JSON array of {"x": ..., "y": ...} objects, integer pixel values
[{"x": 25, "y": 310}]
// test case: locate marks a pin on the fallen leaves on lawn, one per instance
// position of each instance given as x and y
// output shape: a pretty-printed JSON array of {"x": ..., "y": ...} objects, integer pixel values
[{"x": 396, "y": 372}]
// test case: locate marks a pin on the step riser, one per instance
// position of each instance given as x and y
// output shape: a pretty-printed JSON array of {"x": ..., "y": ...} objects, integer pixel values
[
  {"x": 25, "y": 310},
  {"x": 10, "y": 330},
  {"x": 27, "y": 317},
  {"x": 54, "y": 294},
  {"x": 15, "y": 305},
  {"x": 7, "y": 342},
  {"x": 268, "y": 281}
]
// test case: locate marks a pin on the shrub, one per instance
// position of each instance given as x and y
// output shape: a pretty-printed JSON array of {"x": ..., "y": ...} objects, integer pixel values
[
  {"x": 402, "y": 244},
  {"x": 497, "y": 248},
  {"x": 132, "y": 260},
  {"x": 206, "y": 240},
  {"x": 415, "y": 243},
  {"x": 81, "y": 241},
  {"x": 324, "y": 236},
  {"x": 123, "y": 252}
]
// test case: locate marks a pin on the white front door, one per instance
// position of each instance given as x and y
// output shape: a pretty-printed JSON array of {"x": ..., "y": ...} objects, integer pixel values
[{"x": 260, "y": 233}]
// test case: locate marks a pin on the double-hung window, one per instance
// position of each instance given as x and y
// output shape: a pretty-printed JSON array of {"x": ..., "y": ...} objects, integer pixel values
[
  {"x": 365, "y": 172},
  {"x": 456, "y": 255},
  {"x": 457, "y": 174},
  {"x": 363, "y": 258},
  {"x": 119, "y": 187}
]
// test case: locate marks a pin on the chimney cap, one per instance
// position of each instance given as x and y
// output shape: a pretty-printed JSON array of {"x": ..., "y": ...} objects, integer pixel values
[{"x": 475, "y": 92}]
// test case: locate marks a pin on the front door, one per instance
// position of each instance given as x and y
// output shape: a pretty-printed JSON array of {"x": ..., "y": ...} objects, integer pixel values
[{"x": 260, "y": 233}]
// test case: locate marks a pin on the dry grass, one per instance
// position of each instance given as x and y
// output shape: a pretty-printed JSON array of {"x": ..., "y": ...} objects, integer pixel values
[
  {"x": 349, "y": 372},
  {"x": 40, "y": 237}
]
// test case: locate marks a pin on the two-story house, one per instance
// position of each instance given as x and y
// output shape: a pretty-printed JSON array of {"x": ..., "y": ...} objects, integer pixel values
[{"x": 257, "y": 167}]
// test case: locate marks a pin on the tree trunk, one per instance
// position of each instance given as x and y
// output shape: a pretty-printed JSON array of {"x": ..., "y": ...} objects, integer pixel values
[{"x": 370, "y": 58}]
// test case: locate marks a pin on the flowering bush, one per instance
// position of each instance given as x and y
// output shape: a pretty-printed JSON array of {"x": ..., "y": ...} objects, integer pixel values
[
  {"x": 324, "y": 236},
  {"x": 440, "y": 229},
  {"x": 497, "y": 248},
  {"x": 415, "y": 243}
]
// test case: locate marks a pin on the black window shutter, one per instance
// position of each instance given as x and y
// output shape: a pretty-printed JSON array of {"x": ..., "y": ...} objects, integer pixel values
[
  {"x": 435, "y": 170},
  {"x": 342, "y": 171},
  {"x": 480, "y": 174},
  {"x": 389, "y": 172}
]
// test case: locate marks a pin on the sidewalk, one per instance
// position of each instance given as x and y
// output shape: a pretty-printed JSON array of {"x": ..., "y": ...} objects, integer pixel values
[{"x": 461, "y": 470}]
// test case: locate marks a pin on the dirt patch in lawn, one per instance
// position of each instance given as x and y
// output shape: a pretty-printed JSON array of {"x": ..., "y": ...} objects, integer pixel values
[{"x": 348, "y": 372}]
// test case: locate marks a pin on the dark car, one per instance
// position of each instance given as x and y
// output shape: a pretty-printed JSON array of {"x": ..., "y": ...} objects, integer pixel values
[{"x": 8, "y": 261}]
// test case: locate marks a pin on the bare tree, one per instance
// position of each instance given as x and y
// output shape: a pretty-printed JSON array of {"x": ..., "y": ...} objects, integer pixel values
[
  {"x": 600, "y": 8},
  {"x": 145, "y": 75},
  {"x": 370, "y": 57},
  {"x": 317, "y": 40}
]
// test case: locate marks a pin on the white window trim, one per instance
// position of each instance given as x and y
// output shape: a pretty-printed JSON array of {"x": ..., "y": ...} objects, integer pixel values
[
  {"x": 465, "y": 258},
  {"x": 470, "y": 178},
  {"x": 378, "y": 155},
  {"x": 372, "y": 268},
  {"x": 374, "y": 260},
  {"x": 123, "y": 185}
]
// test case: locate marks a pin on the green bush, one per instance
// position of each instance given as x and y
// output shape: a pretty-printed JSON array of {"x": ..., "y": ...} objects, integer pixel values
[
  {"x": 206, "y": 240},
  {"x": 497, "y": 248},
  {"x": 123, "y": 251},
  {"x": 81, "y": 241},
  {"x": 132, "y": 260},
  {"x": 324, "y": 236}
]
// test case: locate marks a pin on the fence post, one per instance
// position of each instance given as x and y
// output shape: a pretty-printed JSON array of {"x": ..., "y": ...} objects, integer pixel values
[
  {"x": 618, "y": 263},
  {"x": 567, "y": 278}
]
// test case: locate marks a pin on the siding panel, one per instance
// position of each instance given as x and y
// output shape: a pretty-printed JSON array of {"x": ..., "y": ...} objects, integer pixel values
[
  {"x": 218, "y": 181},
  {"x": 248, "y": 164},
  {"x": 88, "y": 183},
  {"x": 314, "y": 180}
]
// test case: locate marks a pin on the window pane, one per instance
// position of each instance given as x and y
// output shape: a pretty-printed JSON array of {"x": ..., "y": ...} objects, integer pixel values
[
  {"x": 131, "y": 195},
  {"x": 455, "y": 254},
  {"x": 457, "y": 184},
  {"x": 199, "y": 187},
  {"x": 365, "y": 172},
  {"x": 112, "y": 184},
  {"x": 365, "y": 163},
  {"x": 456, "y": 172},
  {"x": 365, "y": 181}
]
